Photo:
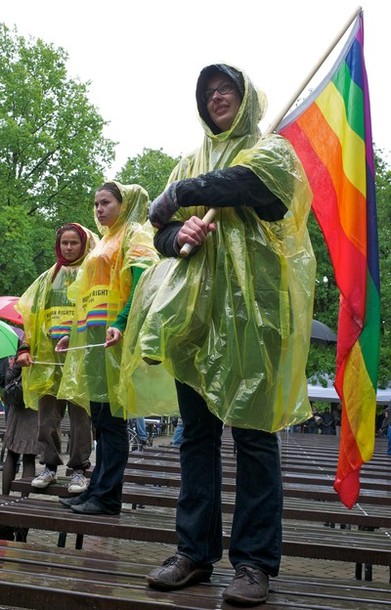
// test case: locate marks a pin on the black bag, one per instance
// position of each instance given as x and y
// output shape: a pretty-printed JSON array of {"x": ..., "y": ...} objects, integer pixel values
[
  {"x": 13, "y": 392},
  {"x": 4, "y": 364}
]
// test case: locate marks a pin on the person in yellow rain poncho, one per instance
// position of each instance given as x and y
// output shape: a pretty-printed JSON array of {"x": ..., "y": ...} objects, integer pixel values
[
  {"x": 232, "y": 324},
  {"x": 102, "y": 291},
  {"x": 47, "y": 316}
]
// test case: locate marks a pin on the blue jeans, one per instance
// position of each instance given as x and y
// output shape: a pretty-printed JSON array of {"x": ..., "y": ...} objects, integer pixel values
[
  {"x": 112, "y": 451},
  {"x": 389, "y": 439},
  {"x": 178, "y": 434},
  {"x": 257, "y": 522},
  {"x": 141, "y": 428}
]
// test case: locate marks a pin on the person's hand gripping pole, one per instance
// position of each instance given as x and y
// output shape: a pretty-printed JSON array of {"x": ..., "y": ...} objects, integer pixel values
[
  {"x": 195, "y": 229},
  {"x": 187, "y": 248}
]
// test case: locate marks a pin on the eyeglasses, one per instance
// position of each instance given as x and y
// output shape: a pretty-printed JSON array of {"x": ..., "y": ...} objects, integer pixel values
[{"x": 222, "y": 88}]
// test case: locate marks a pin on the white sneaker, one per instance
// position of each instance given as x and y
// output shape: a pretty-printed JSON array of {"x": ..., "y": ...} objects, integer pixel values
[
  {"x": 77, "y": 484},
  {"x": 44, "y": 479}
]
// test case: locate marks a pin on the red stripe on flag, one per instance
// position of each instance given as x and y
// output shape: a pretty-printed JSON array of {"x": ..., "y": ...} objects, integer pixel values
[{"x": 351, "y": 279}]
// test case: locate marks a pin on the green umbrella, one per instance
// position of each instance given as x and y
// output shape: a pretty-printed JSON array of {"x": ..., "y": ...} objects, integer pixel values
[{"x": 8, "y": 340}]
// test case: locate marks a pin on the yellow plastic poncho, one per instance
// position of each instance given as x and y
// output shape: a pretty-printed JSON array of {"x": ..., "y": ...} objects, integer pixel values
[
  {"x": 47, "y": 316},
  {"x": 233, "y": 320},
  {"x": 100, "y": 292}
]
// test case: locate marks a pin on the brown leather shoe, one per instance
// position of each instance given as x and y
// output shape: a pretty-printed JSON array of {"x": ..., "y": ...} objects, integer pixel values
[
  {"x": 249, "y": 587},
  {"x": 177, "y": 572}
]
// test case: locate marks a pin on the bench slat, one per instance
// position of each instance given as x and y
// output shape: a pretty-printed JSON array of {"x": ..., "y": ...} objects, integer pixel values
[
  {"x": 294, "y": 508},
  {"x": 39, "y": 579}
]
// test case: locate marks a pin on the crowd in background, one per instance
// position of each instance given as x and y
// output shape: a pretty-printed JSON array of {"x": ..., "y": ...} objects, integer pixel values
[{"x": 328, "y": 421}]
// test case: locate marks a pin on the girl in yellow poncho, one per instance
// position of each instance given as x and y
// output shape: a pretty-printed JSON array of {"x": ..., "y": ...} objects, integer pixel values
[
  {"x": 101, "y": 291},
  {"x": 47, "y": 316},
  {"x": 232, "y": 324}
]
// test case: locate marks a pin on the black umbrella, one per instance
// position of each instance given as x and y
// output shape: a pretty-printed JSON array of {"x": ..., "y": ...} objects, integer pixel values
[{"x": 321, "y": 333}]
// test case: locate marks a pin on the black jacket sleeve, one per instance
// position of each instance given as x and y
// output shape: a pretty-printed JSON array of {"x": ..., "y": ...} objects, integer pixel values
[
  {"x": 231, "y": 187},
  {"x": 165, "y": 239}
]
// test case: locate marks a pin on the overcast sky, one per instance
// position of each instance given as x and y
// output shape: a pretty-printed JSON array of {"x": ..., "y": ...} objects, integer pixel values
[{"x": 143, "y": 57}]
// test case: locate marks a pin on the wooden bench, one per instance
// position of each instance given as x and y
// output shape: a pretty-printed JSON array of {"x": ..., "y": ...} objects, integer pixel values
[
  {"x": 310, "y": 474},
  {"x": 304, "y": 509},
  {"x": 305, "y": 534},
  {"x": 322, "y": 491},
  {"x": 317, "y": 491},
  {"x": 300, "y": 538},
  {"x": 300, "y": 453},
  {"x": 363, "y": 515},
  {"x": 292, "y": 473},
  {"x": 304, "y": 502},
  {"x": 72, "y": 580}
]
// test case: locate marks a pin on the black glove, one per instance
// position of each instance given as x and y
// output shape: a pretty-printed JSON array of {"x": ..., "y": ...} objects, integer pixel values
[{"x": 163, "y": 207}]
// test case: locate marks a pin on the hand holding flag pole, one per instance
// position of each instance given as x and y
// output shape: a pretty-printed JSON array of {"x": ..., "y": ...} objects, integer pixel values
[{"x": 209, "y": 216}]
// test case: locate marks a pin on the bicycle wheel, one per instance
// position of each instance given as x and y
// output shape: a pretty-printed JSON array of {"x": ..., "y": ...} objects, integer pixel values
[{"x": 135, "y": 443}]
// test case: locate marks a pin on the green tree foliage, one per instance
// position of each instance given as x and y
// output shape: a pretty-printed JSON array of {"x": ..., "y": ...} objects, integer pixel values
[
  {"x": 383, "y": 198},
  {"x": 16, "y": 255},
  {"x": 52, "y": 155},
  {"x": 151, "y": 170},
  {"x": 321, "y": 359}
]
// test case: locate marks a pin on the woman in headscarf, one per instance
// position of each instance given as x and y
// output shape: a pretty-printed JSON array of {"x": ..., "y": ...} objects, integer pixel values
[
  {"x": 47, "y": 316},
  {"x": 102, "y": 293},
  {"x": 232, "y": 324},
  {"x": 21, "y": 432},
  {"x": 20, "y": 437}
]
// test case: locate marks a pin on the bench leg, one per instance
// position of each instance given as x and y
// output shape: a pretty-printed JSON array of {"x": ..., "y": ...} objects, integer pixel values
[
  {"x": 368, "y": 571},
  {"x": 21, "y": 534},
  {"x": 61, "y": 539},
  {"x": 79, "y": 542}
]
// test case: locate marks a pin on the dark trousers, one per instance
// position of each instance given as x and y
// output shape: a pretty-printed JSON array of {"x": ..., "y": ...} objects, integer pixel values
[
  {"x": 112, "y": 451},
  {"x": 50, "y": 415},
  {"x": 257, "y": 522}
]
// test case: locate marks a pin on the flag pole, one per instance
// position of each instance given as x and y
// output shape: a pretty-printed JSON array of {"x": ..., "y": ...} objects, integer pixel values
[
  {"x": 274, "y": 124},
  {"x": 208, "y": 218}
]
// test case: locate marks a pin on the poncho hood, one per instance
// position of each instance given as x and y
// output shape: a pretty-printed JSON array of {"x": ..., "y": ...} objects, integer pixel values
[
  {"x": 252, "y": 109},
  {"x": 88, "y": 242},
  {"x": 134, "y": 209},
  {"x": 47, "y": 317}
]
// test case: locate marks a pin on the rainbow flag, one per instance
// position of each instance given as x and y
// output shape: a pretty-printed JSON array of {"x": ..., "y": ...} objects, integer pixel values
[{"x": 331, "y": 132}]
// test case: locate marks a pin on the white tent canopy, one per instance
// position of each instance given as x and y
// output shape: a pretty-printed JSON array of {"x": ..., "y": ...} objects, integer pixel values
[{"x": 329, "y": 394}]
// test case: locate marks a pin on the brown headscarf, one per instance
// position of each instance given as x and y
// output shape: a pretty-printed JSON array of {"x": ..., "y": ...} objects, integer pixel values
[{"x": 61, "y": 261}]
